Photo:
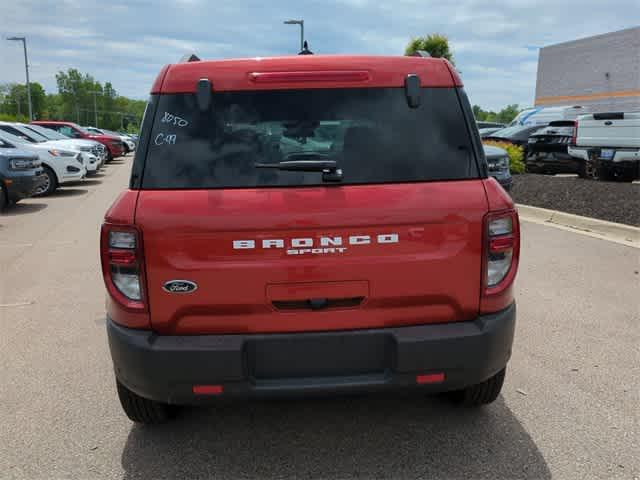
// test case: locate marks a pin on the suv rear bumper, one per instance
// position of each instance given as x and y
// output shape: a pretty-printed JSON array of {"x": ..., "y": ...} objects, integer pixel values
[{"x": 165, "y": 368}]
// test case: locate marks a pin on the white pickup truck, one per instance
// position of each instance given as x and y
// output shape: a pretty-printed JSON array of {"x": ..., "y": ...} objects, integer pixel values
[{"x": 609, "y": 145}]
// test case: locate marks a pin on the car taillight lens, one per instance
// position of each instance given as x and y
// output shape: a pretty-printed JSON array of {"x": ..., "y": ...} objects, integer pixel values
[
  {"x": 500, "y": 251},
  {"x": 574, "y": 139},
  {"x": 123, "y": 266}
]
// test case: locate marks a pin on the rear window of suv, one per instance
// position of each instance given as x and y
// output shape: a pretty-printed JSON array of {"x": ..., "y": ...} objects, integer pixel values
[{"x": 372, "y": 134}]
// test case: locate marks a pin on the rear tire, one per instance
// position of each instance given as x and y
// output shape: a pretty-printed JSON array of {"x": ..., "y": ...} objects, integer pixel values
[
  {"x": 582, "y": 170},
  {"x": 50, "y": 186},
  {"x": 143, "y": 410},
  {"x": 480, "y": 394}
]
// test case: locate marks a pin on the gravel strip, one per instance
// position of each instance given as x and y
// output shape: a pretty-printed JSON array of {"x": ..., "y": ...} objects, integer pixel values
[{"x": 612, "y": 201}]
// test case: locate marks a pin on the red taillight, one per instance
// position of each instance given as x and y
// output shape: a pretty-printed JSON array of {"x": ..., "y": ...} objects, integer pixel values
[
  {"x": 123, "y": 265},
  {"x": 574, "y": 138},
  {"x": 501, "y": 255},
  {"x": 317, "y": 76}
]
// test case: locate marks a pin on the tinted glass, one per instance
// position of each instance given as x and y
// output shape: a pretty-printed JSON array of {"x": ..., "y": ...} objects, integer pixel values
[
  {"x": 14, "y": 131},
  {"x": 13, "y": 138},
  {"x": 36, "y": 137},
  {"x": 517, "y": 132},
  {"x": 67, "y": 131},
  {"x": 372, "y": 134},
  {"x": 46, "y": 132}
]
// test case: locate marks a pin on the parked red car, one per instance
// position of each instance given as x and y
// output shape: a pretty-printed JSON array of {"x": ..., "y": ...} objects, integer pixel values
[
  {"x": 308, "y": 224},
  {"x": 115, "y": 146}
]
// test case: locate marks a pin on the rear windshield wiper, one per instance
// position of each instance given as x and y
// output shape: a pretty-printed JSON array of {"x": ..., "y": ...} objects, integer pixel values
[
  {"x": 329, "y": 168},
  {"x": 301, "y": 165}
]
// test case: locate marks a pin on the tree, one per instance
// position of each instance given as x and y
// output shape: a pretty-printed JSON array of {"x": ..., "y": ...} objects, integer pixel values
[
  {"x": 506, "y": 115},
  {"x": 435, "y": 44},
  {"x": 73, "y": 102},
  {"x": 14, "y": 101}
]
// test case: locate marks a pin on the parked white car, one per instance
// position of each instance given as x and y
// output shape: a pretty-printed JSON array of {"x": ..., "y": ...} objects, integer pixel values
[
  {"x": 545, "y": 115},
  {"x": 60, "y": 166},
  {"x": 129, "y": 143},
  {"x": 609, "y": 146},
  {"x": 84, "y": 145},
  {"x": 89, "y": 160}
]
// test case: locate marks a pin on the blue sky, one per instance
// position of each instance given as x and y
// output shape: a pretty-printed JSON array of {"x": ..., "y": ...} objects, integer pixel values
[{"x": 126, "y": 42}]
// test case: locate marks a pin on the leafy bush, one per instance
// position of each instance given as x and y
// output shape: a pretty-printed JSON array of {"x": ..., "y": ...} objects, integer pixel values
[
  {"x": 515, "y": 152},
  {"x": 6, "y": 117}
]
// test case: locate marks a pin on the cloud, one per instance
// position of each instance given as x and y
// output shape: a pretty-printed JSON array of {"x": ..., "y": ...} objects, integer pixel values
[{"x": 126, "y": 42}]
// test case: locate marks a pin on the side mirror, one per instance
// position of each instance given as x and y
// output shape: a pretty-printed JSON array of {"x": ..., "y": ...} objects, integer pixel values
[{"x": 412, "y": 90}]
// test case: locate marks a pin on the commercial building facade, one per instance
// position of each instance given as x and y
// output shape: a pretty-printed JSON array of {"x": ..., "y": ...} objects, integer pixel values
[{"x": 601, "y": 73}]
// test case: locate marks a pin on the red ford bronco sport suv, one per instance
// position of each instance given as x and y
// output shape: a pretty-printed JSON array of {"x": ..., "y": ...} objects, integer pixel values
[{"x": 308, "y": 224}]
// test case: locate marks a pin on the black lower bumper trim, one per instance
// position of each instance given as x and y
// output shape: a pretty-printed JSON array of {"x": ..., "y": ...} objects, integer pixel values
[{"x": 165, "y": 368}]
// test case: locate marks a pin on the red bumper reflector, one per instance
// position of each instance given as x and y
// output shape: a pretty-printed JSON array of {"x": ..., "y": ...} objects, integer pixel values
[
  {"x": 208, "y": 389},
  {"x": 122, "y": 257},
  {"x": 500, "y": 244},
  {"x": 430, "y": 378}
]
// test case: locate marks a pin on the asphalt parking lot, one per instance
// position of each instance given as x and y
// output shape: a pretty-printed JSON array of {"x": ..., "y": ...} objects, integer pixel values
[{"x": 569, "y": 408}]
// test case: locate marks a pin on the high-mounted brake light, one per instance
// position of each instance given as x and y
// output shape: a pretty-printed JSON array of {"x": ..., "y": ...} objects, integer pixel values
[
  {"x": 123, "y": 266},
  {"x": 316, "y": 76}
]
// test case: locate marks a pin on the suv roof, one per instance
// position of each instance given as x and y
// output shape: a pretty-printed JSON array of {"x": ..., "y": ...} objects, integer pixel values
[
  {"x": 53, "y": 122},
  {"x": 306, "y": 71}
]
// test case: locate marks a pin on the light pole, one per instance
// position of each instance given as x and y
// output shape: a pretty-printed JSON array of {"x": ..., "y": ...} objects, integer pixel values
[
  {"x": 95, "y": 107},
  {"x": 26, "y": 68},
  {"x": 301, "y": 23}
]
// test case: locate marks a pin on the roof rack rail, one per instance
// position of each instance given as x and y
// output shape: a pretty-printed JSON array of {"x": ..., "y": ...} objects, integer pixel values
[{"x": 189, "y": 57}]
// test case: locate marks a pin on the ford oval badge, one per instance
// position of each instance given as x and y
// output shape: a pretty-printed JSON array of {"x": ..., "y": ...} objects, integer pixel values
[{"x": 180, "y": 286}]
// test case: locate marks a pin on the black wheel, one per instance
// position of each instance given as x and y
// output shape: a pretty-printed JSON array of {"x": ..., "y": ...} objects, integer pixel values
[
  {"x": 109, "y": 157},
  {"x": 143, "y": 410},
  {"x": 50, "y": 184},
  {"x": 601, "y": 173},
  {"x": 3, "y": 198},
  {"x": 481, "y": 393},
  {"x": 582, "y": 170}
]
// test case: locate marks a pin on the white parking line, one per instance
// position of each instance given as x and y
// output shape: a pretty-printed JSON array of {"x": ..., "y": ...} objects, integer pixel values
[{"x": 19, "y": 304}]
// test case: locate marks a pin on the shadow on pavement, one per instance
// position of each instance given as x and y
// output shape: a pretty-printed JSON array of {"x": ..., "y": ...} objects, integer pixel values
[
  {"x": 68, "y": 192},
  {"x": 355, "y": 437},
  {"x": 22, "y": 209},
  {"x": 115, "y": 162},
  {"x": 91, "y": 181}
]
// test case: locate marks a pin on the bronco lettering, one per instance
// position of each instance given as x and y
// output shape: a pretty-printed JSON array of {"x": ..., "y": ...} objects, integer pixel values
[{"x": 301, "y": 246}]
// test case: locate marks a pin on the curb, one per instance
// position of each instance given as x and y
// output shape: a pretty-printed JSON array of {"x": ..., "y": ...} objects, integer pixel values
[{"x": 615, "y": 232}]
